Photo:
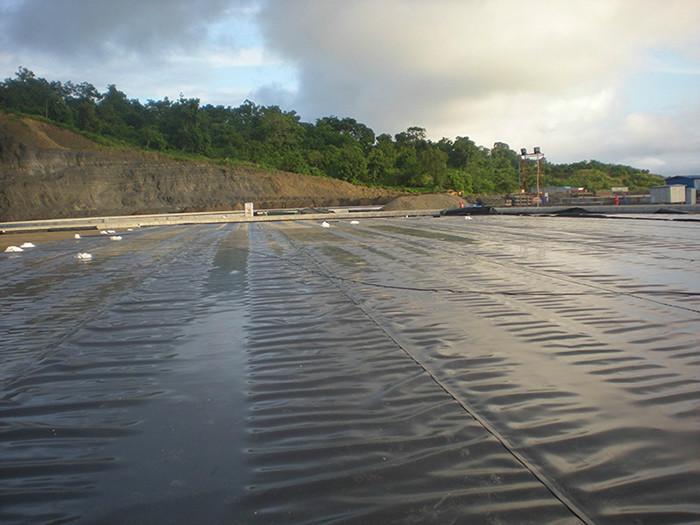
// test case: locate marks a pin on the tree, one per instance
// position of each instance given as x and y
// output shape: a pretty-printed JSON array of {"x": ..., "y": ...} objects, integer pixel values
[
  {"x": 412, "y": 136},
  {"x": 432, "y": 166},
  {"x": 29, "y": 94},
  {"x": 267, "y": 135},
  {"x": 87, "y": 118},
  {"x": 462, "y": 150},
  {"x": 346, "y": 163},
  {"x": 459, "y": 180},
  {"x": 151, "y": 137},
  {"x": 182, "y": 126},
  {"x": 343, "y": 131},
  {"x": 381, "y": 160},
  {"x": 278, "y": 128},
  {"x": 118, "y": 115}
]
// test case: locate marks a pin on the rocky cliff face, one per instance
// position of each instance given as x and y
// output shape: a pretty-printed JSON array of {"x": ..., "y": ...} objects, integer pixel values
[{"x": 49, "y": 172}]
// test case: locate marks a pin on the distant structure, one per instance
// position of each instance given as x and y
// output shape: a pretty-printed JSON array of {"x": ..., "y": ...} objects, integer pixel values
[
  {"x": 674, "y": 194},
  {"x": 525, "y": 159},
  {"x": 689, "y": 181}
]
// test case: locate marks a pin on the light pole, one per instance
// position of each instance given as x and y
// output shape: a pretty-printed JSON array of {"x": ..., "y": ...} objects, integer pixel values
[{"x": 525, "y": 157}]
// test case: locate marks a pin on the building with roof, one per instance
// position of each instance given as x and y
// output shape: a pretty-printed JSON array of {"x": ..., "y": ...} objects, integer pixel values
[{"x": 689, "y": 181}]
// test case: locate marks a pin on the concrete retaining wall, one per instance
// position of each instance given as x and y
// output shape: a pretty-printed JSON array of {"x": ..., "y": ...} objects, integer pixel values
[{"x": 135, "y": 221}]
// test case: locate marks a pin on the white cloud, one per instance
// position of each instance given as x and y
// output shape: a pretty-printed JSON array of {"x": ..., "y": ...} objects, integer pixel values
[
  {"x": 5, "y": 58},
  {"x": 207, "y": 49},
  {"x": 543, "y": 71},
  {"x": 557, "y": 74},
  {"x": 217, "y": 57},
  {"x": 650, "y": 163}
]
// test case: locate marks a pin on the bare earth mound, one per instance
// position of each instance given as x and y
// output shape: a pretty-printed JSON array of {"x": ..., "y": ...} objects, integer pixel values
[
  {"x": 50, "y": 172},
  {"x": 433, "y": 201}
]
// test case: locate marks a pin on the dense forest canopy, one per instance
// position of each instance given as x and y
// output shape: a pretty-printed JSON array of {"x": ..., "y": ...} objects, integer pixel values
[{"x": 270, "y": 137}]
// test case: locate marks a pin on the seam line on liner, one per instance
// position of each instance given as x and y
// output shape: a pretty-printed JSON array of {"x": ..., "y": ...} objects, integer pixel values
[
  {"x": 601, "y": 292},
  {"x": 509, "y": 448},
  {"x": 49, "y": 348},
  {"x": 555, "y": 277},
  {"x": 549, "y": 485}
]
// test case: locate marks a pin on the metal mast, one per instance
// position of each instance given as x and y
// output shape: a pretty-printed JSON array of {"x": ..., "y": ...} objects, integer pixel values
[{"x": 525, "y": 159}]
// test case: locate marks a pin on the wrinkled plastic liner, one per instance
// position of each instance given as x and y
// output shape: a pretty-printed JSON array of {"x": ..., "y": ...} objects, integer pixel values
[{"x": 545, "y": 371}]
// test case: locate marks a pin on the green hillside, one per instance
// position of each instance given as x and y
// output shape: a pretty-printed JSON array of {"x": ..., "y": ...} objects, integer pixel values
[{"x": 269, "y": 137}]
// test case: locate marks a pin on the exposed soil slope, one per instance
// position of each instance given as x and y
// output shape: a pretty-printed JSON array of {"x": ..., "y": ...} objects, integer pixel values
[
  {"x": 424, "y": 202},
  {"x": 50, "y": 172}
]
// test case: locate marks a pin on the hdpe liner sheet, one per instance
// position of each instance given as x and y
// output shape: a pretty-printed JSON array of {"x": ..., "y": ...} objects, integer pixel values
[{"x": 502, "y": 369}]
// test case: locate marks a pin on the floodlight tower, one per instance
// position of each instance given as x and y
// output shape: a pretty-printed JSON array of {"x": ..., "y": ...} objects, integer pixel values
[{"x": 525, "y": 158}]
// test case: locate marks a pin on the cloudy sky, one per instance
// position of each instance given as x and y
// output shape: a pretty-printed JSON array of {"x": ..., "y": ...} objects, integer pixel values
[{"x": 615, "y": 80}]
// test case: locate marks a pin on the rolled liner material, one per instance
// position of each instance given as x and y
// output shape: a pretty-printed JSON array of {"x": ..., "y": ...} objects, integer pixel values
[
  {"x": 469, "y": 210},
  {"x": 190, "y": 375}
]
